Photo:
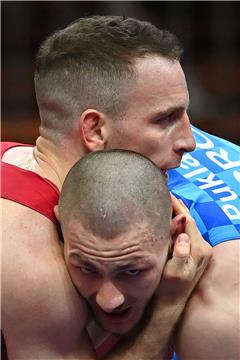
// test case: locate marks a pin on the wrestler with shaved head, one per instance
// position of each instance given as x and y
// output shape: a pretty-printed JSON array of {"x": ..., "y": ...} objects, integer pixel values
[
  {"x": 115, "y": 213},
  {"x": 103, "y": 82}
]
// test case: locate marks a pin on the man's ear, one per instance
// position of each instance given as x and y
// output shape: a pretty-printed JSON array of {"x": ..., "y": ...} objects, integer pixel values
[
  {"x": 56, "y": 212},
  {"x": 177, "y": 226},
  {"x": 91, "y": 129}
]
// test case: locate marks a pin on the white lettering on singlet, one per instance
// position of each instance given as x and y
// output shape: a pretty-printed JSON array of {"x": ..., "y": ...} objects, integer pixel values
[
  {"x": 188, "y": 161},
  {"x": 210, "y": 181},
  {"x": 222, "y": 159},
  {"x": 232, "y": 212},
  {"x": 226, "y": 190},
  {"x": 205, "y": 142},
  {"x": 196, "y": 172}
]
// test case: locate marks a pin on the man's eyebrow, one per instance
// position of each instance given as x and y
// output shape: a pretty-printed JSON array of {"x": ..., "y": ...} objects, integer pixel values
[
  {"x": 131, "y": 264},
  {"x": 172, "y": 109},
  {"x": 126, "y": 266},
  {"x": 81, "y": 259}
]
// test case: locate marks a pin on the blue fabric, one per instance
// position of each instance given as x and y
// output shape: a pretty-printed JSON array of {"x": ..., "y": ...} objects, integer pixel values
[
  {"x": 208, "y": 182},
  {"x": 174, "y": 357}
]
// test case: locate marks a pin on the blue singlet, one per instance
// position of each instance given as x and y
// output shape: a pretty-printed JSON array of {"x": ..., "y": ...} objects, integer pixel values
[{"x": 208, "y": 181}]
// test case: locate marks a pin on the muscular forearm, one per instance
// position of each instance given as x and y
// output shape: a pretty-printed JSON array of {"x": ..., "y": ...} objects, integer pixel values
[{"x": 210, "y": 326}]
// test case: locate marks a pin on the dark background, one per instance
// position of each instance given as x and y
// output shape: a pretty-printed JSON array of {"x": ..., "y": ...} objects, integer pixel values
[{"x": 209, "y": 31}]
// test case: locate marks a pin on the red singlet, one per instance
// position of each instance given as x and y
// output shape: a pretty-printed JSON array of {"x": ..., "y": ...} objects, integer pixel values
[{"x": 26, "y": 187}]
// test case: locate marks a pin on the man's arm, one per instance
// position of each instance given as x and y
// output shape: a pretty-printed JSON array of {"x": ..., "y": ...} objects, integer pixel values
[
  {"x": 43, "y": 316},
  {"x": 210, "y": 328},
  {"x": 191, "y": 255}
]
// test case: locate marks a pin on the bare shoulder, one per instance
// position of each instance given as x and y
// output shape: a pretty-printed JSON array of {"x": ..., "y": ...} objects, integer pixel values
[
  {"x": 39, "y": 301},
  {"x": 223, "y": 272},
  {"x": 210, "y": 326}
]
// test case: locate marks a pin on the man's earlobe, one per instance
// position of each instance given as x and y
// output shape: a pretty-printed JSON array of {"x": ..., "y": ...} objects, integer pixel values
[
  {"x": 177, "y": 226},
  {"x": 56, "y": 212},
  {"x": 91, "y": 126}
]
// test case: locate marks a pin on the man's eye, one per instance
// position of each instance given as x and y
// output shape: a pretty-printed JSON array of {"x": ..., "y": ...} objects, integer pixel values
[
  {"x": 133, "y": 272},
  {"x": 165, "y": 120},
  {"x": 171, "y": 117},
  {"x": 87, "y": 270}
]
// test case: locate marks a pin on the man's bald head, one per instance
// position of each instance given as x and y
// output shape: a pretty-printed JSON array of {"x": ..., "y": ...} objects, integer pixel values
[{"x": 109, "y": 191}]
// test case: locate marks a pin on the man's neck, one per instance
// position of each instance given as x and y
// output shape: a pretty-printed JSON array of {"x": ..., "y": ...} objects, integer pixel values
[
  {"x": 54, "y": 162},
  {"x": 45, "y": 159}
]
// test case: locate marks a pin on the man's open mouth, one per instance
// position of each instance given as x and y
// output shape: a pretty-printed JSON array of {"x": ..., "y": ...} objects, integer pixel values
[{"x": 117, "y": 315}]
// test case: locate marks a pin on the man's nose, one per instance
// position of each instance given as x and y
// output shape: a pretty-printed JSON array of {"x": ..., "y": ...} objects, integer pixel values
[
  {"x": 185, "y": 141},
  {"x": 109, "y": 297}
]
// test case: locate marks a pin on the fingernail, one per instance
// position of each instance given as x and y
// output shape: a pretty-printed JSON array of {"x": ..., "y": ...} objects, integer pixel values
[{"x": 184, "y": 238}]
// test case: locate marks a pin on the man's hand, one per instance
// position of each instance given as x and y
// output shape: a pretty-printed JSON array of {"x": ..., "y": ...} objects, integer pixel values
[{"x": 190, "y": 257}]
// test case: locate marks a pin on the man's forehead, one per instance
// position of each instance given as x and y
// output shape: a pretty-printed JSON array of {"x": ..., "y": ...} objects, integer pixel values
[
  {"x": 138, "y": 236},
  {"x": 153, "y": 59},
  {"x": 154, "y": 67},
  {"x": 159, "y": 79},
  {"x": 119, "y": 262}
]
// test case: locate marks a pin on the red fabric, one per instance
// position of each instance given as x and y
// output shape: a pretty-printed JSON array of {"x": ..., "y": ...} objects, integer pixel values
[
  {"x": 30, "y": 189},
  {"x": 109, "y": 342},
  {"x": 27, "y": 188}
]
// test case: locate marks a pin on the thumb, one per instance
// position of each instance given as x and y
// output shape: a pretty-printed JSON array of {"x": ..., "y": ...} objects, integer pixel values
[
  {"x": 182, "y": 247},
  {"x": 181, "y": 252},
  {"x": 178, "y": 270}
]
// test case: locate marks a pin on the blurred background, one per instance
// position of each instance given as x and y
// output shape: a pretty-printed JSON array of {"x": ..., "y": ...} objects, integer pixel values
[{"x": 209, "y": 31}]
